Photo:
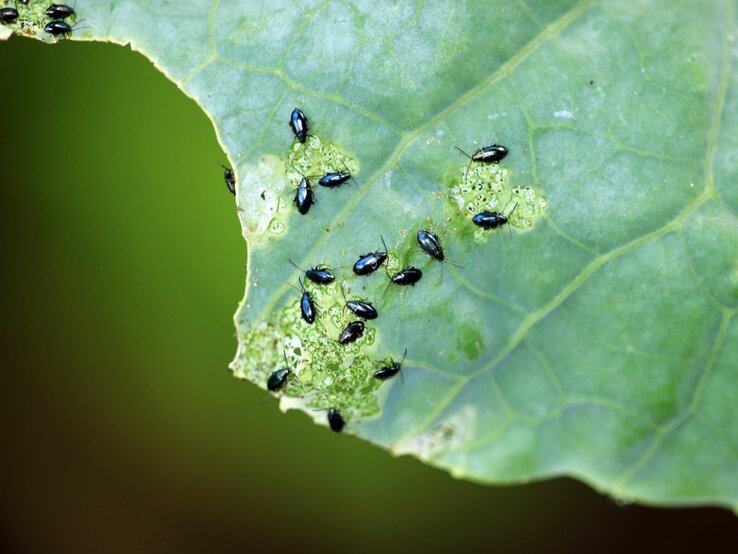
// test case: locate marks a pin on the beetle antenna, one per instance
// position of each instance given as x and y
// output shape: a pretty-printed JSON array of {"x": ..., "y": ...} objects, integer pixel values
[
  {"x": 386, "y": 272},
  {"x": 294, "y": 264},
  {"x": 343, "y": 293},
  {"x": 387, "y": 287},
  {"x": 460, "y": 150},
  {"x": 76, "y": 26},
  {"x": 509, "y": 229},
  {"x": 343, "y": 162},
  {"x": 314, "y": 164},
  {"x": 300, "y": 145},
  {"x": 284, "y": 353},
  {"x": 466, "y": 173},
  {"x": 384, "y": 244},
  {"x": 306, "y": 177},
  {"x": 309, "y": 154},
  {"x": 297, "y": 170}
]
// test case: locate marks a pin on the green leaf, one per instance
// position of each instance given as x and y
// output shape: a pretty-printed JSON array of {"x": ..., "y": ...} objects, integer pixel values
[{"x": 600, "y": 339}]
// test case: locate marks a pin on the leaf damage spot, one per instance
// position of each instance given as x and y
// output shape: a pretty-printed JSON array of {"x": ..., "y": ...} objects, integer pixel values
[
  {"x": 316, "y": 157},
  {"x": 469, "y": 341},
  {"x": 485, "y": 188},
  {"x": 276, "y": 227},
  {"x": 325, "y": 374},
  {"x": 259, "y": 201},
  {"x": 442, "y": 437}
]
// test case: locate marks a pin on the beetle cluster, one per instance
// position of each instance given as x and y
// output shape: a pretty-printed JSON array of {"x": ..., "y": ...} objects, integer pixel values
[
  {"x": 488, "y": 155},
  {"x": 363, "y": 311},
  {"x": 58, "y": 26},
  {"x": 335, "y": 177},
  {"x": 57, "y": 14}
]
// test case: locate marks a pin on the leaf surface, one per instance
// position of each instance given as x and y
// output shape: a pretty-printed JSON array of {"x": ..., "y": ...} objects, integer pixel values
[{"x": 598, "y": 340}]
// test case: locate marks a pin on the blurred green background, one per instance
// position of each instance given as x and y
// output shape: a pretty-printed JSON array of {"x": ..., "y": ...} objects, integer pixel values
[{"x": 123, "y": 432}]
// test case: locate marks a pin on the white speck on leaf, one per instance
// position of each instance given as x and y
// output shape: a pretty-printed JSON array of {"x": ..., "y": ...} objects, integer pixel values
[{"x": 564, "y": 114}]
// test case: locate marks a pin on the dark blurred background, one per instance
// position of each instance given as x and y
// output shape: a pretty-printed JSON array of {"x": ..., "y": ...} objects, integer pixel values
[{"x": 122, "y": 264}]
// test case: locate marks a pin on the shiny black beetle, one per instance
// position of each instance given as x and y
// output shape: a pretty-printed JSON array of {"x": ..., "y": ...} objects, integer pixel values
[
  {"x": 59, "y": 11},
  {"x": 486, "y": 155},
  {"x": 492, "y": 220},
  {"x": 58, "y": 28},
  {"x": 307, "y": 306},
  {"x": 304, "y": 197},
  {"x": 391, "y": 370},
  {"x": 431, "y": 245},
  {"x": 335, "y": 421},
  {"x": 8, "y": 15},
  {"x": 408, "y": 276},
  {"x": 360, "y": 308},
  {"x": 299, "y": 124},
  {"x": 335, "y": 179},
  {"x": 318, "y": 275},
  {"x": 368, "y": 263},
  {"x": 364, "y": 310},
  {"x": 229, "y": 178},
  {"x": 279, "y": 377},
  {"x": 353, "y": 331}
]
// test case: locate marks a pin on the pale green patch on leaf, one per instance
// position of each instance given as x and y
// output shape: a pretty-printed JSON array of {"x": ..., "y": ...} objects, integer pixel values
[{"x": 600, "y": 340}]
